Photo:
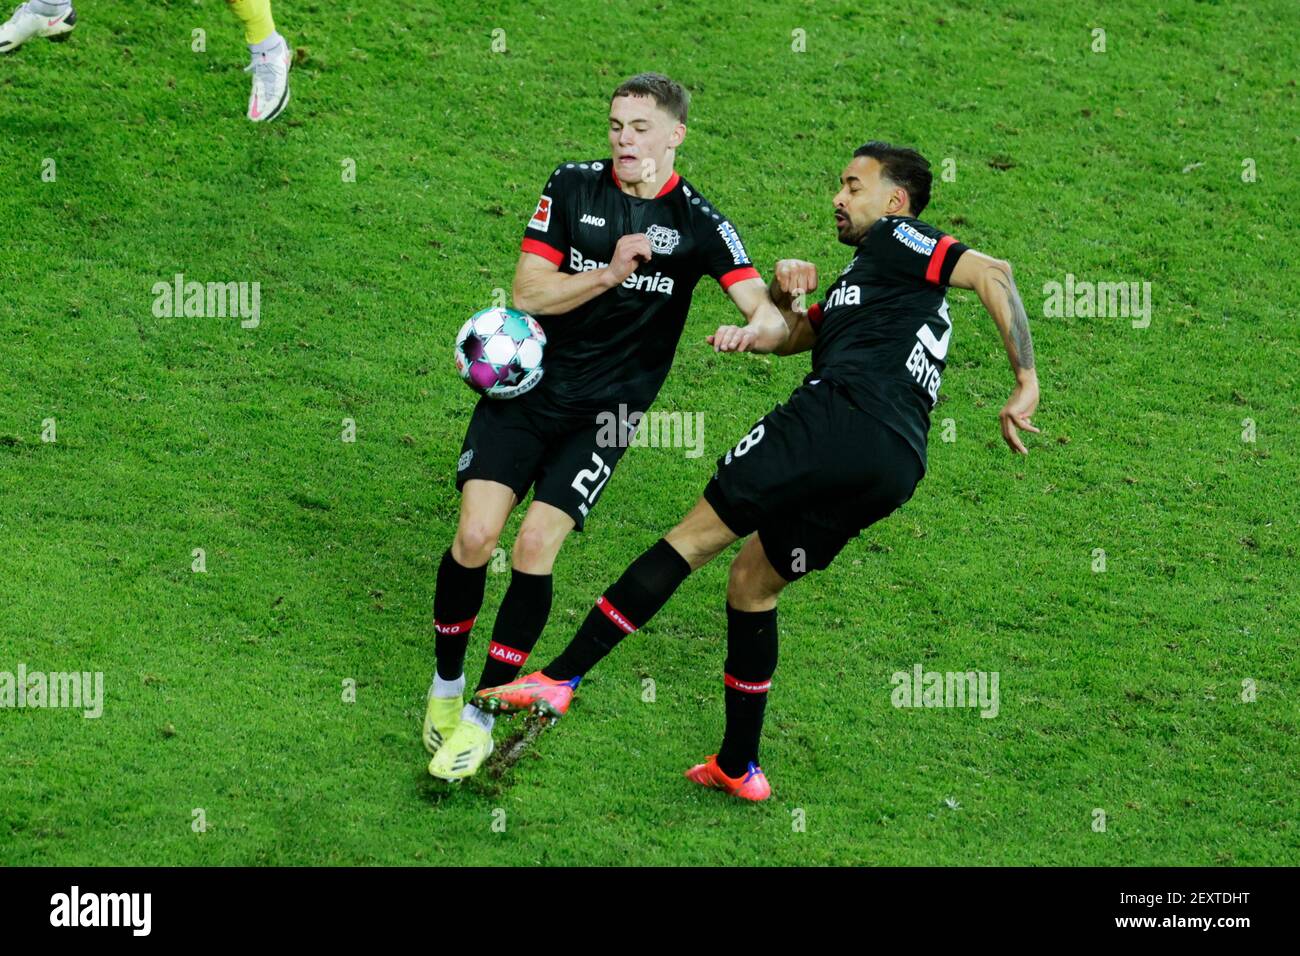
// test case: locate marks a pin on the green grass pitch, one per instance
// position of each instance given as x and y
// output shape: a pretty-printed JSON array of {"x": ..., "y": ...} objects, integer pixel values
[{"x": 1162, "y": 690}]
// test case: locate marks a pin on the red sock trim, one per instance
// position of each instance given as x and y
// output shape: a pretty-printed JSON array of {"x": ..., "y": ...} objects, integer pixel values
[
  {"x": 615, "y": 615},
  {"x": 747, "y": 686},
  {"x": 507, "y": 655}
]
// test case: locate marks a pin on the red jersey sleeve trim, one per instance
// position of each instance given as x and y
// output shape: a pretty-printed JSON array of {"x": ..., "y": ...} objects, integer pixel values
[
  {"x": 936, "y": 259},
  {"x": 815, "y": 315},
  {"x": 539, "y": 248},
  {"x": 728, "y": 279}
]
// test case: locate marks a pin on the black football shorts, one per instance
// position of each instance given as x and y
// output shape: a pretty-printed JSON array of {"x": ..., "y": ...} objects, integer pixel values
[
  {"x": 566, "y": 457},
  {"x": 810, "y": 476}
]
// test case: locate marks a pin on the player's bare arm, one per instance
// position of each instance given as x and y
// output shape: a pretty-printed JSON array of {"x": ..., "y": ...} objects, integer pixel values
[
  {"x": 542, "y": 289},
  {"x": 793, "y": 280},
  {"x": 991, "y": 279},
  {"x": 765, "y": 329}
]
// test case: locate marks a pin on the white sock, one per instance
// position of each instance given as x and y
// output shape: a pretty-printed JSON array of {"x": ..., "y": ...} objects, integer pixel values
[
  {"x": 272, "y": 42},
  {"x": 480, "y": 717},
  {"x": 447, "y": 688}
]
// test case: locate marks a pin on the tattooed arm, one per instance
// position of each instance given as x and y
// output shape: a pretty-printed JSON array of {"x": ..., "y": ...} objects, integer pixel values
[{"x": 991, "y": 279}]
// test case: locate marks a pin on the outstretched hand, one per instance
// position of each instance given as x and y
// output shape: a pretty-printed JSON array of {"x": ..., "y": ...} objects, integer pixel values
[
  {"x": 1016, "y": 413},
  {"x": 732, "y": 338}
]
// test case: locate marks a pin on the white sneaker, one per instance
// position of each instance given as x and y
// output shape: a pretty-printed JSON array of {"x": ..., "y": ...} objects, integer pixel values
[
  {"x": 270, "y": 84},
  {"x": 24, "y": 25}
]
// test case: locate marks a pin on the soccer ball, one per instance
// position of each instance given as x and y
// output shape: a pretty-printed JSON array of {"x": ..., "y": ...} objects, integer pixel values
[{"x": 499, "y": 352}]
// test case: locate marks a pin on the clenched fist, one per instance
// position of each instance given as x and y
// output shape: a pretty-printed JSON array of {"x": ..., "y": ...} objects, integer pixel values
[
  {"x": 631, "y": 251},
  {"x": 793, "y": 278}
]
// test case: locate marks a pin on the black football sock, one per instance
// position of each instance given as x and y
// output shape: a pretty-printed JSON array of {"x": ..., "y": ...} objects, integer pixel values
[
  {"x": 457, "y": 597},
  {"x": 751, "y": 662},
  {"x": 519, "y": 624},
  {"x": 628, "y": 604}
]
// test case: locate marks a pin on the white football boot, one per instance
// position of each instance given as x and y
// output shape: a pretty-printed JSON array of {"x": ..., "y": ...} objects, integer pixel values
[
  {"x": 270, "y": 83},
  {"x": 24, "y": 25}
]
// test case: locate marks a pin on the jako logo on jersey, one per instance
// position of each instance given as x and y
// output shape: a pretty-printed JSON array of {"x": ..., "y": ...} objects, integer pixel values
[
  {"x": 589, "y": 220},
  {"x": 640, "y": 283},
  {"x": 913, "y": 239},
  {"x": 542, "y": 217},
  {"x": 844, "y": 295},
  {"x": 662, "y": 239},
  {"x": 734, "y": 245}
]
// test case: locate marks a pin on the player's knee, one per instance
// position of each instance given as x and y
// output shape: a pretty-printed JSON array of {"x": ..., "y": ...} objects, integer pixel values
[
  {"x": 751, "y": 587},
  {"x": 475, "y": 541},
  {"x": 700, "y": 537},
  {"x": 535, "y": 550},
  {"x": 740, "y": 584}
]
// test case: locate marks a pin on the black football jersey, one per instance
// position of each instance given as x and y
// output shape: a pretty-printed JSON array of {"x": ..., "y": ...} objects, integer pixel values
[
  {"x": 883, "y": 329},
  {"x": 619, "y": 346}
]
